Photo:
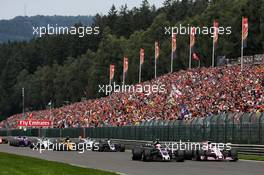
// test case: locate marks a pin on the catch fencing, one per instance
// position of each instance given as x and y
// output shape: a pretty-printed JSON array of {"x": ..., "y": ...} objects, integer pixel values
[{"x": 236, "y": 128}]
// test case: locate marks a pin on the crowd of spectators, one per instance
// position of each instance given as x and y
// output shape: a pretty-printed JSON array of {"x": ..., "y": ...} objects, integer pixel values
[{"x": 189, "y": 93}]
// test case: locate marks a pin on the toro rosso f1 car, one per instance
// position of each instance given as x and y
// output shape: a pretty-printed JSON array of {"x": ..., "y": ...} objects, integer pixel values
[
  {"x": 108, "y": 146},
  {"x": 211, "y": 151},
  {"x": 156, "y": 152}
]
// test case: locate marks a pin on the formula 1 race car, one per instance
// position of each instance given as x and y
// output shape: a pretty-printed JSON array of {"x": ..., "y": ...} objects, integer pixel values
[
  {"x": 64, "y": 145},
  {"x": 156, "y": 152},
  {"x": 88, "y": 144},
  {"x": 20, "y": 142},
  {"x": 108, "y": 146},
  {"x": 3, "y": 140},
  {"x": 211, "y": 151},
  {"x": 42, "y": 143}
]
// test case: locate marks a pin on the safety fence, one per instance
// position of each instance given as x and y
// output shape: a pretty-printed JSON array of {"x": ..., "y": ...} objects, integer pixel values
[{"x": 238, "y": 128}]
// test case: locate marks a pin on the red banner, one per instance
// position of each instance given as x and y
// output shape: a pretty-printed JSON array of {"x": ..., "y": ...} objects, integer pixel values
[
  {"x": 192, "y": 37},
  {"x": 244, "y": 28},
  {"x": 142, "y": 56},
  {"x": 173, "y": 43},
  {"x": 157, "y": 50},
  {"x": 35, "y": 123},
  {"x": 216, "y": 28},
  {"x": 125, "y": 65},
  {"x": 112, "y": 71}
]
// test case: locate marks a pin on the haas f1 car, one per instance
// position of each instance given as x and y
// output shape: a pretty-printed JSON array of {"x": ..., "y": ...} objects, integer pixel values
[
  {"x": 155, "y": 152},
  {"x": 210, "y": 151},
  {"x": 108, "y": 146}
]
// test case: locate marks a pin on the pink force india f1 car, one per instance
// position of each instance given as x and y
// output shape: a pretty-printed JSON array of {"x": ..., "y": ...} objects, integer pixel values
[{"x": 211, "y": 151}]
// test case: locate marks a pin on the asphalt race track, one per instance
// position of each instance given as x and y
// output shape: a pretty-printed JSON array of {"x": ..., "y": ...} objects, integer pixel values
[{"x": 122, "y": 163}]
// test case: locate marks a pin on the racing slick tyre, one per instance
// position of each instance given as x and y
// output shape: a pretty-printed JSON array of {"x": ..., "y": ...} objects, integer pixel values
[
  {"x": 122, "y": 148},
  {"x": 188, "y": 154},
  {"x": 101, "y": 147},
  {"x": 11, "y": 143},
  {"x": 146, "y": 155},
  {"x": 234, "y": 155},
  {"x": 137, "y": 154},
  {"x": 197, "y": 155},
  {"x": 179, "y": 156},
  {"x": 14, "y": 143}
]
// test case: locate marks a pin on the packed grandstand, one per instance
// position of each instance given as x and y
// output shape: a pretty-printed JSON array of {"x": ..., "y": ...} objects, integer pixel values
[{"x": 189, "y": 93}]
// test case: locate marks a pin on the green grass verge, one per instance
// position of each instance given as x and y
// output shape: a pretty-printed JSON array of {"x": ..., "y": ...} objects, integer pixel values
[
  {"x": 251, "y": 157},
  {"x": 21, "y": 165}
]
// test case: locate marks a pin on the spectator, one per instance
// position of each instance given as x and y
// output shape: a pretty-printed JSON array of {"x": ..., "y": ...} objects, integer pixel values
[{"x": 192, "y": 93}]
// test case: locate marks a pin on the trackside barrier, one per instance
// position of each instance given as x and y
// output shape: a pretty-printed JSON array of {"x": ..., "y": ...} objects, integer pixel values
[
  {"x": 236, "y": 128},
  {"x": 241, "y": 148},
  {"x": 129, "y": 144}
]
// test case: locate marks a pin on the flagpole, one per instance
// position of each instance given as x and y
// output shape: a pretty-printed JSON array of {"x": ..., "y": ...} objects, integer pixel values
[
  {"x": 123, "y": 78},
  {"x": 23, "y": 102},
  {"x": 156, "y": 56},
  {"x": 190, "y": 52},
  {"x": 213, "y": 54},
  {"x": 110, "y": 85},
  {"x": 51, "y": 116},
  {"x": 242, "y": 60},
  {"x": 139, "y": 76},
  {"x": 155, "y": 67},
  {"x": 190, "y": 58},
  {"x": 110, "y": 75},
  {"x": 171, "y": 61},
  {"x": 242, "y": 48},
  {"x": 123, "y": 86}
]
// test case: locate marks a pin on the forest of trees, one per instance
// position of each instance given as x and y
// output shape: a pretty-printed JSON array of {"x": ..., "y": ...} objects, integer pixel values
[
  {"x": 66, "y": 68},
  {"x": 20, "y": 27}
]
